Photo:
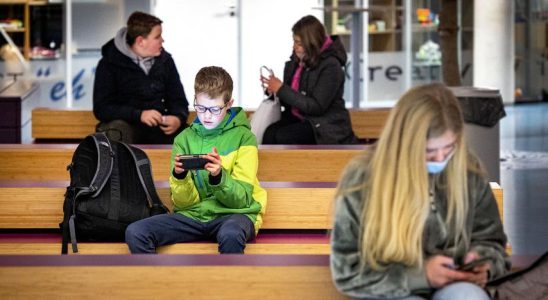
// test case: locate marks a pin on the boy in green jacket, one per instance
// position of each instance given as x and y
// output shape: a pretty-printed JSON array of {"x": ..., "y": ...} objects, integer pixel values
[{"x": 222, "y": 202}]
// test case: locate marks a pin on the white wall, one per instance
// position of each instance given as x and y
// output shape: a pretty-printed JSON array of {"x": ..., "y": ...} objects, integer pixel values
[
  {"x": 89, "y": 31},
  {"x": 267, "y": 39},
  {"x": 96, "y": 22},
  {"x": 202, "y": 33},
  {"x": 197, "y": 34}
]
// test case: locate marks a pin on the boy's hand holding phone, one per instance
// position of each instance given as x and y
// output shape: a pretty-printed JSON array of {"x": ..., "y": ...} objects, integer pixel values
[
  {"x": 210, "y": 162},
  {"x": 178, "y": 165},
  {"x": 214, "y": 165}
]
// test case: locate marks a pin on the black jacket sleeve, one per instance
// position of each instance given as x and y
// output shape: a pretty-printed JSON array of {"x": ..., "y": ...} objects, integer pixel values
[
  {"x": 324, "y": 85},
  {"x": 105, "y": 106},
  {"x": 177, "y": 102}
]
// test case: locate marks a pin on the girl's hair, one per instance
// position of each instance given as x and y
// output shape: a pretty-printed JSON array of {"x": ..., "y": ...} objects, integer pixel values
[
  {"x": 214, "y": 82},
  {"x": 140, "y": 24},
  {"x": 312, "y": 34},
  {"x": 396, "y": 195}
]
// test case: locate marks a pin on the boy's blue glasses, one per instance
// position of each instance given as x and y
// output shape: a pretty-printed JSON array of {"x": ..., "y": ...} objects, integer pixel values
[{"x": 214, "y": 110}]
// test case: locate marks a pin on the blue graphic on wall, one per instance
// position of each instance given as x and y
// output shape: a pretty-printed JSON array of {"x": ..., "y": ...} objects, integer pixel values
[
  {"x": 50, "y": 74},
  {"x": 59, "y": 92},
  {"x": 41, "y": 72}
]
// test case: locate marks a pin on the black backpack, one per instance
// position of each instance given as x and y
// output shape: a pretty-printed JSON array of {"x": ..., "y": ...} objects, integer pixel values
[{"x": 111, "y": 186}]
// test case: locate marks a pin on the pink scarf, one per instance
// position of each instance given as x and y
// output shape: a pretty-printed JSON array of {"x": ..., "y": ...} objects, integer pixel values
[{"x": 297, "y": 78}]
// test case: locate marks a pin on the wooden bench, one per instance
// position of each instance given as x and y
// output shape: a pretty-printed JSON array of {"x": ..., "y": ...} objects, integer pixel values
[
  {"x": 301, "y": 229},
  {"x": 73, "y": 124},
  {"x": 38, "y": 205},
  {"x": 267, "y": 242},
  {"x": 291, "y": 205},
  {"x": 27, "y": 204},
  {"x": 167, "y": 277},
  {"x": 173, "y": 276},
  {"x": 276, "y": 163}
]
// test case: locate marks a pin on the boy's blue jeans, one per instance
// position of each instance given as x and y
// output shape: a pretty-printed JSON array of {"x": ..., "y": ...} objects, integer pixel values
[{"x": 230, "y": 231}]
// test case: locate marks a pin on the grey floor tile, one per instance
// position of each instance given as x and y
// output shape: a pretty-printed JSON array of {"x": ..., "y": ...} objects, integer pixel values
[{"x": 524, "y": 176}]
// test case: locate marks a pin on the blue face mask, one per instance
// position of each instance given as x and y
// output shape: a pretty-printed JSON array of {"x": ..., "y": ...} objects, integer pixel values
[{"x": 435, "y": 167}]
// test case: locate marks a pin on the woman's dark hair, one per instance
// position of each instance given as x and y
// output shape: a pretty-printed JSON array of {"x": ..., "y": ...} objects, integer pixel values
[
  {"x": 312, "y": 34},
  {"x": 140, "y": 24}
]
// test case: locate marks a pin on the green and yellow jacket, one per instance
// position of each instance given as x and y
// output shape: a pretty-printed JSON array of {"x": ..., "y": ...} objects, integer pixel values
[{"x": 239, "y": 190}]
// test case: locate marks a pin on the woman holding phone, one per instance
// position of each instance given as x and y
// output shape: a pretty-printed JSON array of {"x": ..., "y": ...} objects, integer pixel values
[
  {"x": 415, "y": 207},
  {"x": 311, "y": 92}
]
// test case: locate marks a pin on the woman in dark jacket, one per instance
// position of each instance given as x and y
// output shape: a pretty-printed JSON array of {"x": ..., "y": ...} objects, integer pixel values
[{"x": 312, "y": 90}]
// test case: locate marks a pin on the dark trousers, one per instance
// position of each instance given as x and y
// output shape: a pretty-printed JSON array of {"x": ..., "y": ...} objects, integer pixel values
[
  {"x": 231, "y": 232},
  {"x": 289, "y": 131},
  {"x": 122, "y": 131}
]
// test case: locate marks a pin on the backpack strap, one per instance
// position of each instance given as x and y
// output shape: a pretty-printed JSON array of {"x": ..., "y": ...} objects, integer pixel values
[
  {"x": 513, "y": 275},
  {"x": 115, "y": 190},
  {"x": 107, "y": 159},
  {"x": 105, "y": 163},
  {"x": 144, "y": 170},
  {"x": 67, "y": 209}
]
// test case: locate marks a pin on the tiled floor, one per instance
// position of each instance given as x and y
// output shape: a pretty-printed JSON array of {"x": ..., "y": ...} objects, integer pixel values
[{"x": 524, "y": 176}]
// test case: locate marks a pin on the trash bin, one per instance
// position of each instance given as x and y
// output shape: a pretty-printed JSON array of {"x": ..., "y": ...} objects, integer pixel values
[{"x": 482, "y": 109}]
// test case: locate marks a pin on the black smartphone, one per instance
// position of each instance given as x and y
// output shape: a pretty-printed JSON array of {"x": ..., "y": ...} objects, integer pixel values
[
  {"x": 471, "y": 265},
  {"x": 192, "y": 161}
]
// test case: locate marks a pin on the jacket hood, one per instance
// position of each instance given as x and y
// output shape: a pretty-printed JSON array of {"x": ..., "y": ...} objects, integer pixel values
[
  {"x": 118, "y": 52},
  {"x": 122, "y": 46},
  {"x": 235, "y": 117},
  {"x": 336, "y": 49}
]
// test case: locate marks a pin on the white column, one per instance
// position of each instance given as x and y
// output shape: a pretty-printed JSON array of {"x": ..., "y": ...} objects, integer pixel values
[
  {"x": 494, "y": 46},
  {"x": 407, "y": 42},
  {"x": 68, "y": 52}
]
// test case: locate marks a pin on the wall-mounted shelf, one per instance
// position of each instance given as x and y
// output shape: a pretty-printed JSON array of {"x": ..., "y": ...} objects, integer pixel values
[
  {"x": 18, "y": 12},
  {"x": 18, "y": 17},
  {"x": 384, "y": 22}
]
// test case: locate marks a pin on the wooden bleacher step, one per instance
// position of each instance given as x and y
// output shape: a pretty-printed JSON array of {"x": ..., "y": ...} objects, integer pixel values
[
  {"x": 54, "y": 248},
  {"x": 75, "y": 124},
  {"x": 276, "y": 163},
  {"x": 227, "y": 277},
  {"x": 38, "y": 205}
]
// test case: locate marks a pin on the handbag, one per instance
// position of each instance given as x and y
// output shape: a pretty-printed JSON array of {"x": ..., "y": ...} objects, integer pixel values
[
  {"x": 528, "y": 283},
  {"x": 268, "y": 112}
]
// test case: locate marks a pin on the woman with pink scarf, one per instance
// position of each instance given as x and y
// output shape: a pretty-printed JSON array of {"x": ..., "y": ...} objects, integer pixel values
[{"x": 311, "y": 93}]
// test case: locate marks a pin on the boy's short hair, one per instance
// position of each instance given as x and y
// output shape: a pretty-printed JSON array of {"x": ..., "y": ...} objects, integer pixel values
[
  {"x": 140, "y": 24},
  {"x": 214, "y": 82}
]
